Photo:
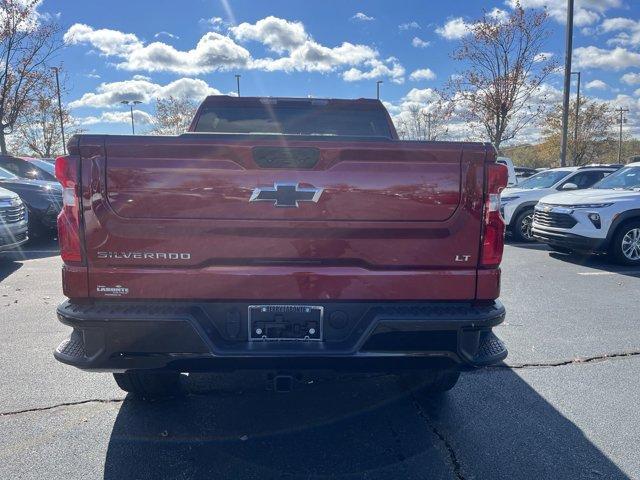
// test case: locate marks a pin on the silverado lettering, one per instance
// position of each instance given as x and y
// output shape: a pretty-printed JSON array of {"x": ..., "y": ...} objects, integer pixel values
[
  {"x": 366, "y": 266},
  {"x": 144, "y": 255}
]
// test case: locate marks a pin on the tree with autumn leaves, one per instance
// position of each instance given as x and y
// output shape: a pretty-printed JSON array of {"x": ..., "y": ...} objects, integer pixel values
[{"x": 499, "y": 89}]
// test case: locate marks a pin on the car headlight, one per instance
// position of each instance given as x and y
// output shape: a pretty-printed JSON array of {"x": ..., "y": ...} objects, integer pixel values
[
  {"x": 592, "y": 205},
  {"x": 508, "y": 199}
]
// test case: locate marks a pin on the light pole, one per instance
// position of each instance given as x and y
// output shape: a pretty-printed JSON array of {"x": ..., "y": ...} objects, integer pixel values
[
  {"x": 64, "y": 143},
  {"x": 378, "y": 89},
  {"x": 567, "y": 83},
  {"x": 238, "y": 83},
  {"x": 621, "y": 120},
  {"x": 575, "y": 126},
  {"x": 131, "y": 103}
]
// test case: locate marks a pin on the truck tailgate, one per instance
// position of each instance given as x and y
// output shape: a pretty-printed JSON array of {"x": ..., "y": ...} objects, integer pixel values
[{"x": 222, "y": 216}]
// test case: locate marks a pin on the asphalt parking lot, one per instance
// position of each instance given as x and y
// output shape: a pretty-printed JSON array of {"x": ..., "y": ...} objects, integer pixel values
[{"x": 564, "y": 405}]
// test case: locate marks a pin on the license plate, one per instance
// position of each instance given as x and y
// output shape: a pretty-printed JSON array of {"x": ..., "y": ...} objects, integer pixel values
[{"x": 285, "y": 322}]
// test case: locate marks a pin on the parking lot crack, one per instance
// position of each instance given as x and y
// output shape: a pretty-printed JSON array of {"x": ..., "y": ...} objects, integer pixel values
[
  {"x": 573, "y": 361},
  {"x": 62, "y": 405},
  {"x": 451, "y": 453}
]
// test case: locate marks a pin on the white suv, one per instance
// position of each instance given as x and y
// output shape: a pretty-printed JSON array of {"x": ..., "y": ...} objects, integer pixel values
[
  {"x": 605, "y": 218},
  {"x": 517, "y": 203}
]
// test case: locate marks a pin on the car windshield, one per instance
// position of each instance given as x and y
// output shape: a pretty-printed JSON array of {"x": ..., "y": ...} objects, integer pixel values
[
  {"x": 627, "y": 178},
  {"x": 6, "y": 175},
  {"x": 544, "y": 179},
  {"x": 43, "y": 165}
]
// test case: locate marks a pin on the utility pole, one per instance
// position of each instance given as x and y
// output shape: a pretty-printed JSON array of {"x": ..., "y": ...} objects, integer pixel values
[
  {"x": 131, "y": 103},
  {"x": 238, "y": 83},
  {"x": 64, "y": 143},
  {"x": 621, "y": 121},
  {"x": 378, "y": 89},
  {"x": 567, "y": 83},
  {"x": 575, "y": 126}
]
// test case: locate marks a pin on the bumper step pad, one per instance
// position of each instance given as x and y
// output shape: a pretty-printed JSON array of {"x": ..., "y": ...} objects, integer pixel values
[
  {"x": 490, "y": 350},
  {"x": 72, "y": 347}
]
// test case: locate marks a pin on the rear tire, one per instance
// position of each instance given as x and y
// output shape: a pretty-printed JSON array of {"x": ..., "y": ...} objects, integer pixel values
[
  {"x": 149, "y": 384},
  {"x": 625, "y": 246},
  {"x": 521, "y": 229},
  {"x": 431, "y": 382}
]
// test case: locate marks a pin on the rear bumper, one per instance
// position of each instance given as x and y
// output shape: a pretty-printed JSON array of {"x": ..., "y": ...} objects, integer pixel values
[
  {"x": 569, "y": 240},
  {"x": 378, "y": 336}
]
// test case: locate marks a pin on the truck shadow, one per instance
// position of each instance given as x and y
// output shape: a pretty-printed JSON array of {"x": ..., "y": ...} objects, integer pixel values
[
  {"x": 603, "y": 263},
  {"x": 493, "y": 425}
]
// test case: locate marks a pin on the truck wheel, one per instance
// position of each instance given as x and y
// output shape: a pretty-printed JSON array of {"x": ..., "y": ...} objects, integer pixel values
[
  {"x": 431, "y": 381},
  {"x": 625, "y": 246},
  {"x": 521, "y": 229},
  {"x": 149, "y": 384}
]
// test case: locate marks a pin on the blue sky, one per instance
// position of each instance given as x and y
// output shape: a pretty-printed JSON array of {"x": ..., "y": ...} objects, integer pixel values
[{"x": 146, "y": 49}]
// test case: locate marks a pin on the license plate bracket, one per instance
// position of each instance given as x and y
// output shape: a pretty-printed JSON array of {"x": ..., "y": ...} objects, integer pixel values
[{"x": 285, "y": 323}]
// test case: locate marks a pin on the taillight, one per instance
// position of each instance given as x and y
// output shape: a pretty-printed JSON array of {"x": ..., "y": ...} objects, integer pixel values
[
  {"x": 496, "y": 178},
  {"x": 69, "y": 218}
]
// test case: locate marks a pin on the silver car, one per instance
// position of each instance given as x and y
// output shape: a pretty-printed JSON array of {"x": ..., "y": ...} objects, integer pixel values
[{"x": 13, "y": 220}]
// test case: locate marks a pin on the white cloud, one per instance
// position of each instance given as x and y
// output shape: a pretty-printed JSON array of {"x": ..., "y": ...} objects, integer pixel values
[
  {"x": 543, "y": 56},
  {"x": 631, "y": 78},
  {"x": 212, "y": 52},
  {"x": 139, "y": 117},
  {"x": 305, "y": 54},
  {"x": 615, "y": 59},
  {"x": 141, "y": 89},
  {"x": 586, "y": 12},
  {"x": 419, "y": 43},
  {"x": 419, "y": 96},
  {"x": 166, "y": 34},
  {"x": 278, "y": 34},
  {"x": 296, "y": 49},
  {"x": 422, "y": 74},
  {"x": 377, "y": 69},
  {"x": 498, "y": 14},
  {"x": 106, "y": 41},
  {"x": 409, "y": 26},
  {"x": 596, "y": 85},
  {"x": 628, "y": 31},
  {"x": 214, "y": 23},
  {"x": 362, "y": 17},
  {"x": 454, "y": 29}
]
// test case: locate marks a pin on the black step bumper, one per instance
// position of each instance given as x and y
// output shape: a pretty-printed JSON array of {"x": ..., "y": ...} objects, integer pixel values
[{"x": 211, "y": 336}]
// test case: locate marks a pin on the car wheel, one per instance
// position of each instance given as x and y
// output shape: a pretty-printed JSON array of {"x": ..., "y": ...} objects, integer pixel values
[
  {"x": 431, "y": 382},
  {"x": 149, "y": 384},
  {"x": 626, "y": 244},
  {"x": 521, "y": 230}
]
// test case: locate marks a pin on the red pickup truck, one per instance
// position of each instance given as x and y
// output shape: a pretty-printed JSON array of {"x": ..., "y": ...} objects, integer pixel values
[{"x": 281, "y": 234}]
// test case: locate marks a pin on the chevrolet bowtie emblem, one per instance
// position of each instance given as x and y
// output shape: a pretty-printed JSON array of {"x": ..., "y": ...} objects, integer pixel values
[{"x": 285, "y": 194}]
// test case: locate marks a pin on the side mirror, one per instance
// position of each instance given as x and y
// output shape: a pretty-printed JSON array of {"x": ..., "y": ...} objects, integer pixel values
[{"x": 569, "y": 186}]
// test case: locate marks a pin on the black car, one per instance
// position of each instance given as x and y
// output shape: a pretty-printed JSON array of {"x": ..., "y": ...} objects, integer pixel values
[
  {"x": 30, "y": 169},
  {"x": 42, "y": 198}
]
